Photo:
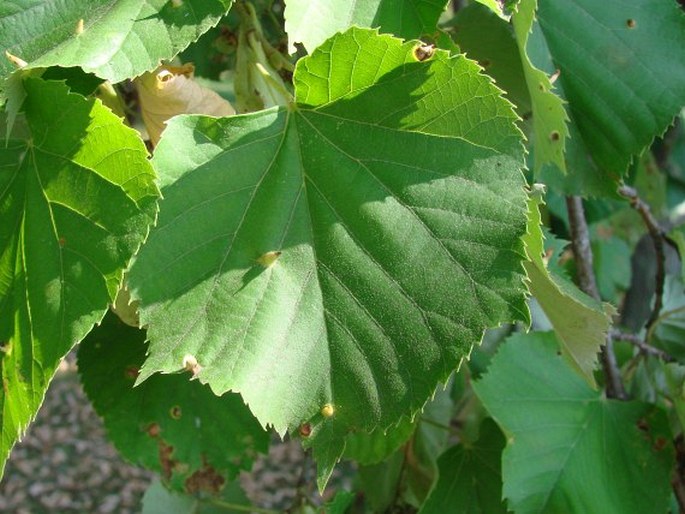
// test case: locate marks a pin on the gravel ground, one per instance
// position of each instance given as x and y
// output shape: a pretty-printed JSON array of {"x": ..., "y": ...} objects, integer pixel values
[{"x": 65, "y": 465}]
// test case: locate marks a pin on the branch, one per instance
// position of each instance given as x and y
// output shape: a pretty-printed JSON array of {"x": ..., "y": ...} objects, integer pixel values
[
  {"x": 580, "y": 242},
  {"x": 658, "y": 238},
  {"x": 642, "y": 345}
]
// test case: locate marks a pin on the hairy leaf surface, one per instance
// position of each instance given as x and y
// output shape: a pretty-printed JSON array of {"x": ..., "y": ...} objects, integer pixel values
[
  {"x": 569, "y": 448},
  {"x": 76, "y": 199},
  {"x": 335, "y": 260}
]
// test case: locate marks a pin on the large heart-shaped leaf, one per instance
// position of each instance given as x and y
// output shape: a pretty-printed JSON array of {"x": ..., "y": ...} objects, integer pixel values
[
  {"x": 114, "y": 39},
  {"x": 77, "y": 199},
  {"x": 569, "y": 448},
  {"x": 333, "y": 261}
]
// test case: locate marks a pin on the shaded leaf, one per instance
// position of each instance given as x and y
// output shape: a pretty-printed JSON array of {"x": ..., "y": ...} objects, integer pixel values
[
  {"x": 377, "y": 446},
  {"x": 340, "y": 503},
  {"x": 311, "y": 256},
  {"x": 469, "y": 479},
  {"x": 624, "y": 84},
  {"x": 77, "y": 199},
  {"x": 176, "y": 426},
  {"x": 485, "y": 37},
  {"x": 160, "y": 500},
  {"x": 668, "y": 332},
  {"x": 311, "y": 22},
  {"x": 569, "y": 448}
]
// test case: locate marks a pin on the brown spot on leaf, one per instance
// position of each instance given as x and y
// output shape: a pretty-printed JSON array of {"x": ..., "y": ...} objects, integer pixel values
[
  {"x": 660, "y": 443},
  {"x": 62, "y": 242},
  {"x": 554, "y": 135},
  {"x": 205, "y": 479},
  {"x": 165, "y": 459},
  {"x": 131, "y": 372},
  {"x": 423, "y": 52},
  {"x": 175, "y": 412},
  {"x": 153, "y": 430},
  {"x": 630, "y": 23},
  {"x": 306, "y": 429}
]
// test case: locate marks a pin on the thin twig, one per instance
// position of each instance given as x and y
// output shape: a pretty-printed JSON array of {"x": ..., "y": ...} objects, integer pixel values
[
  {"x": 658, "y": 238},
  {"x": 580, "y": 241},
  {"x": 641, "y": 344}
]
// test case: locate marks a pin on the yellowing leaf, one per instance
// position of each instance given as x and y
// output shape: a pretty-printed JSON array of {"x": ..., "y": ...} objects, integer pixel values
[
  {"x": 579, "y": 321},
  {"x": 171, "y": 90}
]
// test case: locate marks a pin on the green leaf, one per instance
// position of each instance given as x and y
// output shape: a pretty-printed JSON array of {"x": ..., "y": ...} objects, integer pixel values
[
  {"x": 377, "y": 446},
  {"x": 160, "y": 500},
  {"x": 580, "y": 322},
  {"x": 569, "y": 448},
  {"x": 469, "y": 479},
  {"x": 120, "y": 39},
  {"x": 77, "y": 199},
  {"x": 677, "y": 235},
  {"x": 379, "y": 483},
  {"x": 622, "y": 79},
  {"x": 493, "y": 5},
  {"x": 668, "y": 332},
  {"x": 485, "y": 37},
  {"x": 611, "y": 259},
  {"x": 549, "y": 116},
  {"x": 429, "y": 441},
  {"x": 311, "y": 22},
  {"x": 329, "y": 259},
  {"x": 176, "y": 426},
  {"x": 340, "y": 502}
]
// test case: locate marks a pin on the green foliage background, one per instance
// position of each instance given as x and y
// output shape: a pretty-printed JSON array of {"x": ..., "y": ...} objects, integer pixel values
[{"x": 375, "y": 263}]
